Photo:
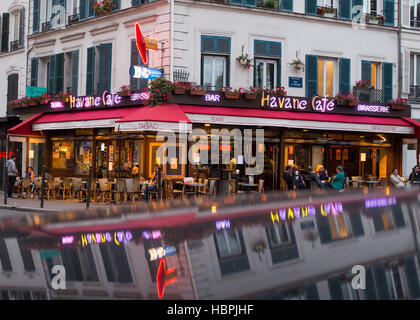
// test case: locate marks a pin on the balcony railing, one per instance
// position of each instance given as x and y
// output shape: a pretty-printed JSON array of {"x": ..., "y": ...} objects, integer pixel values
[
  {"x": 415, "y": 22},
  {"x": 414, "y": 92},
  {"x": 374, "y": 18},
  {"x": 46, "y": 26},
  {"x": 368, "y": 94},
  {"x": 73, "y": 19},
  {"x": 15, "y": 45}
]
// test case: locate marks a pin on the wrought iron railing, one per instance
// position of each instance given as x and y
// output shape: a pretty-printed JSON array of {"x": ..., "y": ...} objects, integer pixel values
[
  {"x": 368, "y": 94},
  {"x": 15, "y": 45},
  {"x": 73, "y": 19},
  {"x": 181, "y": 75},
  {"x": 415, "y": 22},
  {"x": 414, "y": 92},
  {"x": 46, "y": 26}
]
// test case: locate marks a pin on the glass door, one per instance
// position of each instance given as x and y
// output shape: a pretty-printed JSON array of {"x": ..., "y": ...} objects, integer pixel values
[
  {"x": 36, "y": 155},
  {"x": 214, "y": 72},
  {"x": 266, "y": 71}
]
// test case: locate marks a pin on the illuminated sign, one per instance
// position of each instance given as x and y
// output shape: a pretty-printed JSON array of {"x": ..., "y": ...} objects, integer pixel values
[
  {"x": 107, "y": 99},
  {"x": 164, "y": 277},
  {"x": 222, "y": 225},
  {"x": 317, "y": 104},
  {"x": 144, "y": 44},
  {"x": 138, "y": 96},
  {"x": 373, "y": 108},
  {"x": 380, "y": 202},
  {"x": 138, "y": 72},
  {"x": 158, "y": 253},
  {"x": 57, "y": 105},
  {"x": 67, "y": 240},
  {"x": 155, "y": 234},
  {"x": 117, "y": 237},
  {"x": 305, "y": 211},
  {"x": 6, "y": 155},
  {"x": 212, "y": 97}
]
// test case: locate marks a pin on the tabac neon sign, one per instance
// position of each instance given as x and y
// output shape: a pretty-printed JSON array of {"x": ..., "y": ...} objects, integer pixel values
[{"x": 164, "y": 277}]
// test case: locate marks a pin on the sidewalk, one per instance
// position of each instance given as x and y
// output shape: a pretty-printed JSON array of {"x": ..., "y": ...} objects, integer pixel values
[{"x": 33, "y": 205}]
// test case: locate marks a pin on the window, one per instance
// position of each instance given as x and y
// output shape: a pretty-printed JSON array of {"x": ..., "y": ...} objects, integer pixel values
[
  {"x": 34, "y": 72},
  {"x": 74, "y": 76},
  {"x": 380, "y": 77},
  {"x": 63, "y": 155},
  {"x": 6, "y": 264},
  {"x": 415, "y": 13},
  {"x": 371, "y": 73},
  {"x": 12, "y": 87},
  {"x": 105, "y": 66},
  {"x": 55, "y": 82},
  {"x": 267, "y": 63},
  {"x": 28, "y": 261},
  {"x": 231, "y": 251},
  {"x": 54, "y": 12},
  {"x": 5, "y": 32},
  {"x": 282, "y": 243},
  {"x": 86, "y": 10},
  {"x": 215, "y": 55},
  {"x": 370, "y": 6},
  {"x": 327, "y": 75},
  {"x": 83, "y": 156},
  {"x": 136, "y": 84},
  {"x": 341, "y": 289},
  {"x": 116, "y": 263},
  {"x": 248, "y": 3},
  {"x": 71, "y": 262},
  {"x": 325, "y": 3},
  {"x": 388, "y": 219},
  {"x": 279, "y": 235},
  {"x": 415, "y": 75},
  {"x": 35, "y": 17}
]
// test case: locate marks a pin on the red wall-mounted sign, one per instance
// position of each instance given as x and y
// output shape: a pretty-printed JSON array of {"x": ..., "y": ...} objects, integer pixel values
[
  {"x": 164, "y": 277},
  {"x": 6, "y": 155},
  {"x": 144, "y": 44}
]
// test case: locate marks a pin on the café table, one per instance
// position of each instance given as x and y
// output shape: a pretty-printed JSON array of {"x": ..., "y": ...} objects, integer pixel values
[
  {"x": 372, "y": 183},
  {"x": 247, "y": 185},
  {"x": 195, "y": 186}
]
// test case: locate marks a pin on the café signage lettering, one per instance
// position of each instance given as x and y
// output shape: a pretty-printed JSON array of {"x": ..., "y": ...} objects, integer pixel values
[
  {"x": 373, "y": 108},
  {"x": 317, "y": 104},
  {"x": 103, "y": 237},
  {"x": 334, "y": 208}
]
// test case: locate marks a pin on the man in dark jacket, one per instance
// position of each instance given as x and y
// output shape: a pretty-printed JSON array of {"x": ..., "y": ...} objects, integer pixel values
[
  {"x": 312, "y": 176},
  {"x": 415, "y": 176},
  {"x": 288, "y": 178}
]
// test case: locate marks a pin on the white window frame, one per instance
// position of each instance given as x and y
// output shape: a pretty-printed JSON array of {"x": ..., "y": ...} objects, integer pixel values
[
  {"x": 413, "y": 3},
  {"x": 325, "y": 3},
  {"x": 213, "y": 59},
  {"x": 335, "y": 75},
  {"x": 367, "y": 8},
  {"x": 414, "y": 68},
  {"x": 277, "y": 235},
  {"x": 227, "y": 240},
  {"x": 264, "y": 77}
]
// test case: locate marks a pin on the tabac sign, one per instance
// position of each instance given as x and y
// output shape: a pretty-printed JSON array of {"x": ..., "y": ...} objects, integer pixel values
[{"x": 144, "y": 44}]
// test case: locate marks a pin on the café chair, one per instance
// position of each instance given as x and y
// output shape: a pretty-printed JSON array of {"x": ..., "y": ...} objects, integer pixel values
[
  {"x": 104, "y": 190},
  {"x": 260, "y": 187},
  {"x": 171, "y": 192},
  {"x": 65, "y": 189},
  {"x": 49, "y": 189},
  {"x": 76, "y": 188},
  {"x": 84, "y": 190},
  {"x": 187, "y": 191},
  {"x": 132, "y": 188},
  {"x": 211, "y": 189},
  {"x": 25, "y": 186},
  {"x": 119, "y": 190}
]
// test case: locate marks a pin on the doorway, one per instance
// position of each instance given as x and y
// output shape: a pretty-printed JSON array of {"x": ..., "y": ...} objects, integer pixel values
[{"x": 345, "y": 156}]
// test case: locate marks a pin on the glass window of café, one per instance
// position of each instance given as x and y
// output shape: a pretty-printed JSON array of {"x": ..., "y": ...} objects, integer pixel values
[{"x": 36, "y": 155}]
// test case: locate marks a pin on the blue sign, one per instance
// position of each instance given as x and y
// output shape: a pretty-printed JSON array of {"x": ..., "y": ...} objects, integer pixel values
[
  {"x": 138, "y": 72},
  {"x": 295, "y": 82}
]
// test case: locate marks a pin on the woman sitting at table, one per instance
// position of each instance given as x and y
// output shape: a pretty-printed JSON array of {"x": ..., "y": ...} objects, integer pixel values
[
  {"x": 154, "y": 180},
  {"x": 30, "y": 174}
]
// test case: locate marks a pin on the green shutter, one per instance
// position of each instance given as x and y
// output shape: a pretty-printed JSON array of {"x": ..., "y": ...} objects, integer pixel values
[
  {"x": 82, "y": 9},
  {"x": 398, "y": 217},
  {"x": 74, "y": 72},
  {"x": 237, "y": 2},
  {"x": 251, "y": 3},
  {"x": 387, "y": 81},
  {"x": 310, "y": 7},
  {"x": 366, "y": 70},
  {"x": 324, "y": 229},
  {"x": 335, "y": 288},
  {"x": 311, "y": 75},
  {"x": 287, "y": 5},
  {"x": 412, "y": 278},
  {"x": 91, "y": 12},
  {"x": 357, "y": 3},
  {"x": 228, "y": 71},
  {"x": 344, "y": 9},
  {"x": 370, "y": 291},
  {"x": 344, "y": 76},
  {"x": 90, "y": 71},
  {"x": 356, "y": 224},
  {"x": 389, "y": 12},
  {"x": 105, "y": 66},
  {"x": 34, "y": 72},
  {"x": 51, "y": 75},
  {"x": 35, "y": 21},
  {"x": 381, "y": 283},
  {"x": 59, "y": 76}
]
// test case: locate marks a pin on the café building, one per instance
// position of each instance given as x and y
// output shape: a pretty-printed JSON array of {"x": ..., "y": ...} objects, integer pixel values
[{"x": 114, "y": 133}]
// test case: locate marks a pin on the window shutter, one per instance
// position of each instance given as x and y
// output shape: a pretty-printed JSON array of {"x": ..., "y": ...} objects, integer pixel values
[
  {"x": 366, "y": 70},
  {"x": 51, "y": 75},
  {"x": 22, "y": 28},
  {"x": 381, "y": 283},
  {"x": 90, "y": 71},
  {"x": 12, "y": 87},
  {"x": 5, "y": 33},
  {"x": 405, "y": 14},
  {"x": 27, "y": 259},
  {"x": 406, "y": 71},
  {"x": 370, "y": 291},
  {"x": 82, "y": 9},
  {"x": 208, "y": 44},
  {"x": 389, "y": 12},
  {"x": 106, "y": 259},
  {"x": 74, "y": 72},
  {"x": 117, "y": 2},
  {"x": 105, "y": 65},
  {"x": 34, "y": 72},
  {"x": 72, "y": 264},
  {"x": 398, "y": 217},
  {"x": 412, "y": 278},
  {"x": 237, "y": 2},
  {"x": 335, "y": 288},
  {"x": 251, "y": 3},
  {"x": 378, "y": 222},
  {"x": 59, "y": 76},
  {"x": 223, "y": 45},
  {"x": 344, "y": 86},
  {"x": 35, "y": 21},
  {"x": 311, "y": 75},
  {"x": 287, "y": 5},
  {"x": 311, "y": 292},
  {"x": 356, "y": 224},
  {"x": 387, "y": 81},
  {"x": 123, "y": 267},
  {"x": 356, "y": 12},
  {"x": 344, "y": 9},
  {"x": 135, "y": 2},
  {"x": 324, "y": 229},
  {"x": 4, "y": 256},
  {"x": 311, "y": 7}
]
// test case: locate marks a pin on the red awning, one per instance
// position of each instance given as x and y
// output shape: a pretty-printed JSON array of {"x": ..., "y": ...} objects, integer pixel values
[
  {"x": 25, "y": 128},
  {"x": 416, "y": 125},
  {"x": 262, "y": 117},
  {"x": 160, "y": 118},
  {"x": 81, "y": 119}
]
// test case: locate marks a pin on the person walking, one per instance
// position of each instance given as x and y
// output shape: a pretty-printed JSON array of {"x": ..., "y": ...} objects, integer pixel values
[
  {"x": 287, "y": 176},
  {"x": 396, "y": 180},
  {"x": 339, "y": 179},
  {"x": 12, "y": 172}
]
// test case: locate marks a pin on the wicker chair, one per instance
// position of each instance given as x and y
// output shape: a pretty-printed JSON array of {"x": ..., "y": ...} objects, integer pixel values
[
  {"x": 65, "y": 189},
  {"x": 104, "y": 191},
  {"x": 76, "y": 188},
  {"x": 24, "y": 187},
  {"x": 211, "y": 190},
  {"x": 132, "y": 188},
  {"x": 120, "y": 190}
]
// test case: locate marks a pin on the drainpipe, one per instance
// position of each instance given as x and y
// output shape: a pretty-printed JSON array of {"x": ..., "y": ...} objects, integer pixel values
[
  {"x": 171, "y": 41},
  {"x": 400, "y": 77}
]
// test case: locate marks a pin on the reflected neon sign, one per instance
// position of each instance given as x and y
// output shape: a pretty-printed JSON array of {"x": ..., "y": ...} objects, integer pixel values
[
  {"x": 155, "y": 234},
  {"x": 104, "y": 237},
  {"x": 333, "y": 208},
  {"x": 380, "y": 202}
]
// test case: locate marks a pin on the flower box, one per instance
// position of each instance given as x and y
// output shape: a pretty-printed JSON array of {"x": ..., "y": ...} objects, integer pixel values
[
  {"x": 397, "y": 106},
  {"x": 44, "y": 101},
  {"x": 124, "y": 93},
  {"x": 232, "y": 95},
  {"x": 329, "y": 15},
  {"x": 33, "y": 103},
  {"x": 180, "y": 90},
  {"x": 353, "y": 103},
  {"x": 250, "y": 96},
  {"x": 374, "y": 21},
  {"x": 197, "y": 92}
]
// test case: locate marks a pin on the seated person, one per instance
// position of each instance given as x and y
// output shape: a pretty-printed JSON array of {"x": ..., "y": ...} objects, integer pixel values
[
  {"x": 135, "y": 171},
  {"x": 339, "y": 179},
  {"x": 312, "y": 176},
  {"x": 396, "y": 180},
  {"x": 415, "y": 175},
  {"x": 154, "y": 180},
  {"x": 30, "y": 174},
  {"x": 287, "y": 176}
]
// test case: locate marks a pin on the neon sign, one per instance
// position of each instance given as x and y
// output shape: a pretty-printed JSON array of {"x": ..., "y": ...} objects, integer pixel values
[
  {"x": 155, "y": 234},
  {"x": 143, "y": 44},
  {"x": 222, "y": 225},
  {"x": 103, "y": 237},
  {"x": 373, "y": 108},
  {"x": 6, "y": 155},
  {"x": 317, "y": 104},
  {"x": 305, "y": 211},
  {"x": 67, "y": 240},
  {"x": 158, "y": 253},
  {"x": 57, "y": 105},
  {"x": 212, "y": 97},
  {"x": 107, "y": 99},
  {"x": 138, "y": 96},
  {"x": 164, "y": 277},
  {"x": 380, "y": 202}
]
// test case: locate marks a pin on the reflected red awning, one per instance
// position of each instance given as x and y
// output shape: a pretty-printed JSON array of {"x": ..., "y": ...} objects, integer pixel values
[{"x": 25, "y": 128}]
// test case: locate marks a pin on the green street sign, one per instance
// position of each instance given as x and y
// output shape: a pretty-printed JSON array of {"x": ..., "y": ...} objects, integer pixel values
[
  {"x": 35, "y": 91},
  {"x": 45, "y": 254}
]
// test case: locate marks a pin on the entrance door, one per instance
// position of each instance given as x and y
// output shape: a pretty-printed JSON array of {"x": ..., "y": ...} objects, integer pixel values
[
  {"x": 271, "y": 166},
  {"x": 345, "y": 156}
]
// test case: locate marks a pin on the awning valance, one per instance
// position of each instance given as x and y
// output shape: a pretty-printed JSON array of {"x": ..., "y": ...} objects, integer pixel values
[{"x": 25, "y": 128}]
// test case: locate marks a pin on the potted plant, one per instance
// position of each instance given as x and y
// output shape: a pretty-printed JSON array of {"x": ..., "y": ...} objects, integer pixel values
[
  {"x": 279, "y": 91},
  {"x": 103, "y": 7},
  {"x": 250, "y": 93},
  {"x": 348, "y": 99},
  {"x": 25, "y": 102},
  {"x": 372, "y": 18},
  {"x": 326, "y": 12},
  {"x": 270, "y": 4},
  {"x": 245, "y": 61},
  {"x": 160, "y": 90},
  {"x": 45, "y": 99},
  {"x": 398, "y": 104},
  {"x": 363, "y": 84},
  {"x": 15, "y": 104},
  {"x": 197, "y": 91},
  {"x": 260, "y": 4},
  {"x": 230, "y": 93},
  {"x": 181, "y": 87},
  {"x": 381, "y": 18},
  {"x": 297, "y": 64},
  {"x": 63, "y": 97},
  {"x": 33, "y": 101},
  {"x": 125, "y": 91}
]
